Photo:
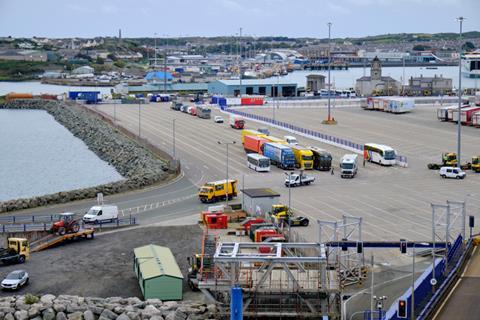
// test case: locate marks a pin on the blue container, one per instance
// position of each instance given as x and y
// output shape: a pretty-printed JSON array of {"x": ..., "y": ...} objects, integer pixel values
[{"x": 222, "y": 102}]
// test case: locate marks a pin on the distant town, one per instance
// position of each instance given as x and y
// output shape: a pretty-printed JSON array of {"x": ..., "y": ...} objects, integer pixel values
[{"x": 187, "y": 64}]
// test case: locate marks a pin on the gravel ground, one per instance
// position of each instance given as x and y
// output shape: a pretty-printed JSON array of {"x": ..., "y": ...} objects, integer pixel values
[{"x": 103, "y": 267}]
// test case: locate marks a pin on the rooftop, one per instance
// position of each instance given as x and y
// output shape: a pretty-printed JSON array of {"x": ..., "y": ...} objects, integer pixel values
[
  {"x": 260, "y": 193},
  {"x": 250, "y": 82},
  {"x": 156, "y": 261}
]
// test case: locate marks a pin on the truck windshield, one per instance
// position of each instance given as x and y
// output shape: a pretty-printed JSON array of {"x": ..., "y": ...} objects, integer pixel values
[
  {"x": 347, "y": 165},
  {"x": 389, "y": 155},
  {"x": 306, "y": 158},
  {"x": 204, "y": 190}
]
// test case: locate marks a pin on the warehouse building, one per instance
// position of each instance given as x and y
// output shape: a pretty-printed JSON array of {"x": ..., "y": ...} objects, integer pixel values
[
  {"x": 263, "y": 87},
  {"x": 259, "y": 201},
  {"x": 428, "y": 86},
  {"x": 158, "y": 273}
]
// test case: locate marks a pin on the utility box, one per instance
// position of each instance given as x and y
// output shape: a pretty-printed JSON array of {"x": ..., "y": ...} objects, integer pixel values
[
  {"x": 216, "y": 221},
  {"x": 258, "y": 202}
]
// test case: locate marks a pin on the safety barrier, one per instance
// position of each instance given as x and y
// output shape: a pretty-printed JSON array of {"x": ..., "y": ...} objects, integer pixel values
[
  {"x": 312, "y": 134},
  {"x": 29, "y": 227},
  {"x": 28, "y": 219},
  {"x": 424, "y": 295}
]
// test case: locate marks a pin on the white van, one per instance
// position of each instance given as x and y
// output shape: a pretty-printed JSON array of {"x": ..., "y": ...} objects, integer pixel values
[
  {"x": 101, "y": 214},
  {"x": 452, "y": 172},
  {"x": 291, "y": 140}
]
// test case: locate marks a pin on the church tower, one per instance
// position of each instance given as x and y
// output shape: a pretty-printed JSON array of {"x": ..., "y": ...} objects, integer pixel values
[{"x": 376, "y": 69}]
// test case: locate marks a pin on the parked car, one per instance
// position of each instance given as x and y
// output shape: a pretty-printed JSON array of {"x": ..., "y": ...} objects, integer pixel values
[
  {"x": 218, "y": 119},
  {"x": 15, "y": 279},
  {"x": 452, "y": 172},
  {"x": 101, "y": 214}
]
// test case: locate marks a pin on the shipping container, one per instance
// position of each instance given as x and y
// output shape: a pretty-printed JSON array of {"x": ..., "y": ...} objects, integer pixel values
[
  {"x": 251, "y": 101},
  {"x": 476, "y": 119}
]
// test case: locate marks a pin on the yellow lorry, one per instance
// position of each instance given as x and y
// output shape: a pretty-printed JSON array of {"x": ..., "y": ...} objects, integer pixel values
[
  {"x": 249, "y": 132},
  {"x": 476, "y": 164},
  {"x": 218, "y": 190},
  {"x": 17, "y": 251},
  {"x": 303, "y": 157}
]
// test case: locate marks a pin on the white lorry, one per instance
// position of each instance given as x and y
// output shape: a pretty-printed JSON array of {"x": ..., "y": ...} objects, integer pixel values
[
  {"x": 102, "y": 213},
  {"x": 349, "y": 165}
]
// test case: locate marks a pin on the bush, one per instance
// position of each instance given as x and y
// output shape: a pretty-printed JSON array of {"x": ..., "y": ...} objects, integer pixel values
[{"x": 31, "y": 299}]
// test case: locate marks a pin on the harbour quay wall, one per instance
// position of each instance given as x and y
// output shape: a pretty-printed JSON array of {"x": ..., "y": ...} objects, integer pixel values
[{"x": 138, "y": 165}]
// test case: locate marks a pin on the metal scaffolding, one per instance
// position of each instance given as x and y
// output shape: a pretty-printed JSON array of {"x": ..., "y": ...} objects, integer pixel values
[
  {"x": 277, "y": 279},
  {"x": 349, "y": 262}
]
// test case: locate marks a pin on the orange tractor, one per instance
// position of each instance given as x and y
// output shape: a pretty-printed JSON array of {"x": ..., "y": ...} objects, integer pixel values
[{"x": 66, "y": 224}]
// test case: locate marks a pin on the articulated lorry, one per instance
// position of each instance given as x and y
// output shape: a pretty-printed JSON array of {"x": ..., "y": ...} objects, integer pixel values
[
  {"x": 250, "y": 132},
  {"x": 322, "y": 160},
  {"x": 204, "y": 112},
  {"x": 237, "y": 122},
  {"x": 349, "y": 165},
  {"x": 280, "y": 155},
  {"x": 253, "y": 144},
  {"x": 303, "y": 157}
]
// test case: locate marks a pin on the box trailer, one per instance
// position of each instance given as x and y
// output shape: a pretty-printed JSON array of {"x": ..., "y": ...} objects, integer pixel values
[
  {"x": 465, "y": 115},
  {"x": 476, "y": 119},
  {"x": 280, "y": 155},
  {"x": 400, "y": 105},
  {"x": 254, "y": 144}
]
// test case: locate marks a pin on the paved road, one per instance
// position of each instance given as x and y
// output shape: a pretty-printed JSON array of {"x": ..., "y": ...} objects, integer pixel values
[{"x": 463, "y": 302}]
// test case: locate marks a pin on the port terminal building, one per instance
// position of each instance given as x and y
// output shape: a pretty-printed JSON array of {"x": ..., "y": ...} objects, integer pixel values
[{"x": 264, "y": 87}]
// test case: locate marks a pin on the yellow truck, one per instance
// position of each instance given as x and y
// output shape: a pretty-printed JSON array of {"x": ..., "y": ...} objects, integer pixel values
[
  {"x": 303, "y": 157},
  {"x": 217, "y": 190},
  {"x": 249, "y": 132},
  {"x": 476, "y": 164},
  {"x": 17, "y": 251}
]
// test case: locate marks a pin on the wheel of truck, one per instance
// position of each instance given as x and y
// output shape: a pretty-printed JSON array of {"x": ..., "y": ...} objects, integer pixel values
[
  {"x": 21, "y": 259},
  {"x": 443, "y": 176},
  {"x": 458, "y": 177},
  {"x": 61, "y": 231},
  {"x": 76, "y": 227},
  {"x": 305, "y": 223}
]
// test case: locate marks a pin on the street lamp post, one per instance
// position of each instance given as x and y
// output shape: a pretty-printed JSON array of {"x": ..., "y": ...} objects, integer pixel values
[
  {"x": 114, "y": 111},
  {"x": 165, "y": 66},
  {"x": 155, "y": 58},
  {"x": 329, "y": 119},
  {"x": 459, "y": 123},
  {"x": 226, "y": 182},
  {"x": 240, "y": 60},
  {"x": 173, "y": 142},
  {"x": 412, "y": 304},
  {"x": 139, "y": 121}
]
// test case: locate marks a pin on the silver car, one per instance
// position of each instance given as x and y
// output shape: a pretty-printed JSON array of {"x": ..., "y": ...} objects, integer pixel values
[{"x": 15, "y": 280}]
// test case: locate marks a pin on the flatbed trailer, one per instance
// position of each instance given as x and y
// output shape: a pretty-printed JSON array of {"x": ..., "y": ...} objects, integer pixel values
[{"x": 54, "y": 239}]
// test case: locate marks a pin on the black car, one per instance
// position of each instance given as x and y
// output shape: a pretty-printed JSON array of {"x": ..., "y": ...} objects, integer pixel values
[{"x": 298, "y": 221}]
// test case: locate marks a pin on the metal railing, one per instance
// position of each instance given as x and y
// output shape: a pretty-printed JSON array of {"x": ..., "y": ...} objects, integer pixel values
[{"x": 29, "y": 227}]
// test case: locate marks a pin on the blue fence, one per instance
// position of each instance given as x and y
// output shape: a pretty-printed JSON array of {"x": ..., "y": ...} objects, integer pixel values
[
  {"x": 423, "y": 288},
  {"x": 28, "y": 219},
  {"x": 45, "y": 226},
  {"x": 307, "y": 132}
]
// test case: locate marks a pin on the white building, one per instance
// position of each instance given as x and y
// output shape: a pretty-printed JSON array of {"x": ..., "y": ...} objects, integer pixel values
[{"x": 375, "y": 84}]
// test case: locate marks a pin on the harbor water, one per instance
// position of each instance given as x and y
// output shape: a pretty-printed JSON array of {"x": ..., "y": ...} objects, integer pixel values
[{"x": 39, "y": 156}]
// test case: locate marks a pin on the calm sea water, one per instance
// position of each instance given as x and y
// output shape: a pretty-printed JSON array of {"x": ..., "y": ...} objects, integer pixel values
[
  {"x": 39, "y": 156},
  {"x": 35, "y": 87},
  {"x": 346, "y": 78}
]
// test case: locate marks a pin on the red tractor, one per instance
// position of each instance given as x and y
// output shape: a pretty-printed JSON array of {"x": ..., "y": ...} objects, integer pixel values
[{"x": 66, "y": 224}]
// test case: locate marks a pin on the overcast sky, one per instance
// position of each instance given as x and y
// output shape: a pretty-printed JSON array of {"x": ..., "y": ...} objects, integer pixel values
[{"x": 293, "y": 18}]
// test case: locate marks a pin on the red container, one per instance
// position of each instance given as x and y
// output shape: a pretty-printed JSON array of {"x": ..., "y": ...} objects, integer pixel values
[
  {"x": 262, "y": 234},
  {"x": 246, "y": 224},
  {"x": 251, "y": 101},
  {"x": 216, "y": 221}
]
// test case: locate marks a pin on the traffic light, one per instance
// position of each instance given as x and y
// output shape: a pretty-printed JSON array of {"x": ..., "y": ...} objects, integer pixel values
[
  {"x": 403, "y": 246},
  {"x": 402, "y": 309}
]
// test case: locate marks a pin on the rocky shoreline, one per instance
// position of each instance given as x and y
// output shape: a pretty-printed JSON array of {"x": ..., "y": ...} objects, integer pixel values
[
  {"x": 66, "y": 307},
  {"x": 136, "y": 164}
]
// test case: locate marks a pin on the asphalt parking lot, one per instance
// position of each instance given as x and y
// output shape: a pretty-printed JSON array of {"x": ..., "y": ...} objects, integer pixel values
[
  {"x": 103, "y": 267},
  {"x": 394, "y": 202}
]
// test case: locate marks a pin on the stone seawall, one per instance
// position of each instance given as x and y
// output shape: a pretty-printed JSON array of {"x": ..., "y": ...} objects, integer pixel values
[
  {"x": 63, "y": 307},
  {"x": 135, "y": 163}
]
